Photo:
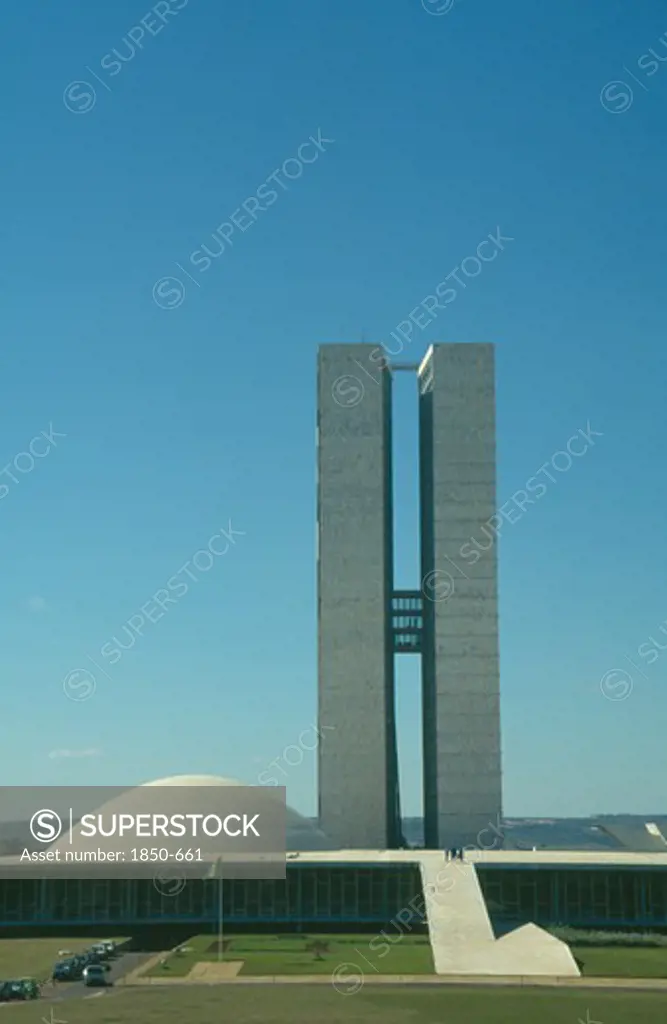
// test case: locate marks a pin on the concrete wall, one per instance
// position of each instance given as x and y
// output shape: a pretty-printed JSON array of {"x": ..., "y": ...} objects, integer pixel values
[
  {"x": 461, "y": 670},
  {"x": 354, "y": 581}
]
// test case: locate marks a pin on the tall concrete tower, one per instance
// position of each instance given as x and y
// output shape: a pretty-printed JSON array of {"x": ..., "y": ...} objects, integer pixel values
[
  {"x": 460, "y": 669},
  {"x": 450, "y": 620},
  {"x": 358, "y": 769}
]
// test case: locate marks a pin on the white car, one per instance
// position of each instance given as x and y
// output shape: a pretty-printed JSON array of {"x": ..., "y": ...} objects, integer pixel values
[{"x": 95, "y": 976}]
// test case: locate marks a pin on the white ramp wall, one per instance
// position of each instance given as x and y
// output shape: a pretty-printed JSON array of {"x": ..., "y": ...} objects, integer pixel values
[{"x": 462, "y": 937}]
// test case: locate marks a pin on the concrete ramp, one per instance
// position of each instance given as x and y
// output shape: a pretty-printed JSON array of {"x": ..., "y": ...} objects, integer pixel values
[
  {"x": 462, "y": 938},
  {"x": 457, "y": 916}
]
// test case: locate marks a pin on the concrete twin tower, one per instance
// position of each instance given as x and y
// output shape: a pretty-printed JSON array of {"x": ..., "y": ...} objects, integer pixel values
[{"x": 450, "y": 620}]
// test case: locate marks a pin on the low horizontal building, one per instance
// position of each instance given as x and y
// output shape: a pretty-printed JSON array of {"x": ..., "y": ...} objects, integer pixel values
[{"x": 484, "y": 914}]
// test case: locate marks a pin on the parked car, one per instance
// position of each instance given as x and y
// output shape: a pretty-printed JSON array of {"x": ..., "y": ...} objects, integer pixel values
[
  {"x": 62, "y": 971},
  {"x": 24, "y": 988},
  {"x": 95, "y": 976},
  {"x": 68, "y": 970},
  {"x": 30, "y": 987}
]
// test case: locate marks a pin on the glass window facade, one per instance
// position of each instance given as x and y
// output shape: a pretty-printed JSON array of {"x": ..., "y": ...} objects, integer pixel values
[
  {"x": 591, "y": 897},
  {"x": 309, "y": 894},
  {"x": 373, "y": 895},
  {"x": 407, "y": 621}
]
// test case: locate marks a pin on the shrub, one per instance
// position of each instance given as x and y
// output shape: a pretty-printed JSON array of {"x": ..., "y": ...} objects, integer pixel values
[
  {"x": 318, "y": 948},
  {"x": 582, "y": 937}
]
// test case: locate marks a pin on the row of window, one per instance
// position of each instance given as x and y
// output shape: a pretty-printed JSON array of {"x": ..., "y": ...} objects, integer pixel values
[
  {"x": 317, "y": 893},
  {"x": 407, "y": 603},
  {"x": 576, "y": 897},
  {"x": 547, "y": 896}
]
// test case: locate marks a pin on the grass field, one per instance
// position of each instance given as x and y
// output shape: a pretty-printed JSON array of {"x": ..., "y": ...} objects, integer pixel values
[
  {"x": 622, "y": 962},
  {"x": 34, "y": 958},
  {"x": 304, "y": 1004},
  {"x": 288, "y": 954}
]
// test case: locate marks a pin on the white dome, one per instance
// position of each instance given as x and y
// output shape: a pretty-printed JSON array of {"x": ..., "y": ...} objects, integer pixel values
[
  {"x": 302, "y": 834},
  {"x": 194, "y": 780}
]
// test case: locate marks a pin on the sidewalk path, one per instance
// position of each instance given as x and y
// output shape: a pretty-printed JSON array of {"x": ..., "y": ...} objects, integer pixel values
[
  {"x": 530, "y": 981},
  {"x": 207, "y": 972}
]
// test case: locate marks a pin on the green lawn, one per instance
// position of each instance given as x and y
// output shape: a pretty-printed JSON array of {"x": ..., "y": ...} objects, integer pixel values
[
  {"x": 289, "y": 1004},
  {"x": 34, "y": 958},
  {"x": 287, "y": 954},
  {"x": 622, "y": 961}
]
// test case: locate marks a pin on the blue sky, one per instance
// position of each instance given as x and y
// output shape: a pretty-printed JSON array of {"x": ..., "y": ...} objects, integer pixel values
[{"x": 443, "y": 128}]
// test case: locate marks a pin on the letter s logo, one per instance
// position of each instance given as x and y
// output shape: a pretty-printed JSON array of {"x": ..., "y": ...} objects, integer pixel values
[{"x": 45, "y": 826}]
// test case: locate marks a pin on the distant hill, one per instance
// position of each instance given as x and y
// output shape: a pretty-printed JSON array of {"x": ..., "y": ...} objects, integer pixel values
[{"x": 564, "y": 833}]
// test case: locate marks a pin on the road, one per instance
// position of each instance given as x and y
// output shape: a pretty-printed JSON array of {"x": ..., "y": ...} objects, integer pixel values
[{"x": 120, "y": 966}]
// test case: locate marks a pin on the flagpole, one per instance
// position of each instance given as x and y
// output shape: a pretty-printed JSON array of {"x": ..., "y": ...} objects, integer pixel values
[{"x": 220, "y": 905}]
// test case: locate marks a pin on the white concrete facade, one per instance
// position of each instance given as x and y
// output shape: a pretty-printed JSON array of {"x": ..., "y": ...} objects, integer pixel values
[
  {"x": 462, "y": 774},
  {"x": 355, "y": 669}
]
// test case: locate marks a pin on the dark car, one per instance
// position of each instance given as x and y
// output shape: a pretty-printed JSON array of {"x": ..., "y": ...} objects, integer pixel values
[
  {"x": 68, "y": 970},
  {"x": 61, "y": 971},
  {"x": 11, "y": 991},
  {"x": 30, "y": 988}
]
